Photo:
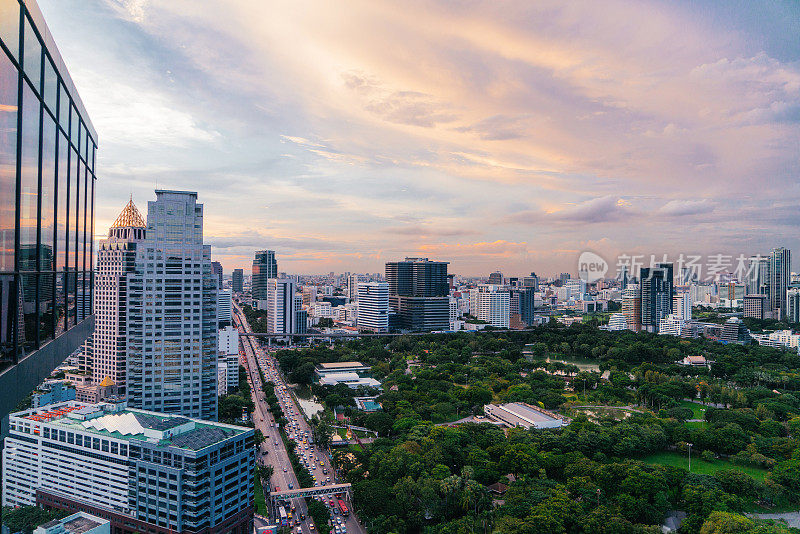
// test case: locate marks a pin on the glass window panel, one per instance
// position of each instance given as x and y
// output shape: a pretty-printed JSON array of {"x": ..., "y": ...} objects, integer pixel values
[
  {"x": 81, "y": 217},
  {"x": 91, "y": 246},
  {"x": 9, "y": 25},
  {"x": 70, "y": 280},
  {"x": 63, "y": 104},
  {"x": 46, "y": 307},
  {"x": 32, "y": 62},
  {"x": 9, "y": 304},
  {"x": 62, "y": 211},
  {"x": 50, "y": 85},
  {"x": 85, "y": 143},
  {"x": 30, "y": 180},
  {"x": 8, "y": 158},
  {"x": 73, "y": 195},
  {"x": 47, "y": 193},
  {"x": 73, "y": 126},
  {"x": 60, "y": 309},
  {"x": 28, "y": 282}
]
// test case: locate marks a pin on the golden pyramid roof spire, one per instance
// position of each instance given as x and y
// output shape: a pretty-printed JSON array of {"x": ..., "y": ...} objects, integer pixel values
[{"x": 129, "y": 217}]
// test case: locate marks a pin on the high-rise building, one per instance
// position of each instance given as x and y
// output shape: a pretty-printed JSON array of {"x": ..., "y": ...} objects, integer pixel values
[
  {"x": 780, "y": 268},
  {"x": 264, "y": 267},
  {"x": 309, "y": 295},
  {"x": 531, "y": 281},
  {"x": 757, "y": 278},
  {"x": 792, "y": 305},
  {"x": 105, "y": 352},
  {"x": 757, "y": 306},
  {"x": 527, "y": 305},
  {"x": 352, "y": 287},
  {"x": 418, "y": 294},
  {"x": 237, "y": 280},
  {"x": 224, "y": 307},
  {"x": 216, "y": 268},
  {"x": 373, "y": 306},
  {"x": 281, "y": 306},
  {"x": 172, "y": 313},
  {"x": 144, "y": 471},
  {"x": 47, "y": 185},
  {"x": 682, "y": 306},
  {"x": 496, "y": 278},
  {"x": 492, "y": 304},
  {"x": 657, "y": 290},
  {"x": 632, "y": 307}
]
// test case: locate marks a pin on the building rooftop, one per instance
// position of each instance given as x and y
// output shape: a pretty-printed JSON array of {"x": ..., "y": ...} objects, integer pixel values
[
  {"x": 129, "y": 217},
  {"x": 118, "y": 421},
  {"x": 340, "y": 365}
]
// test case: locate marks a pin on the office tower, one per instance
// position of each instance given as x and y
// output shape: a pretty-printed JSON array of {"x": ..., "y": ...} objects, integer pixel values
[
  {"x": 757, "y": 306},
  {"x": 373, "y": 306},
  {"x": 492, "y": 304},
  {"x": 418, "y": 294},
  {"x": 264, "y": 267},
  {"x": 792, "y": 305},
  {"x": 780, "y": 267},
  {"x": 657, "y": 289},
  {"x": 281, "y": 306},
  {"x": 451, "y": 281},
  {"x": 216, "y": 268},
  {"x": 496, "y": 278},
  {"x": 105, "y": 352},
  {"x": 527, "y": 305},
  {"x": 172, "y": 313},
  {"x": 300, "y": 320},
  {"x": 531, "y": 281},
  {"x": 453, "y": 312},
  {"x": 624, "y": 276},
  {"x": 352, "y": 287},
  {"x": 632, "y": 307},
  {"x": 237, "y": 280},
  {"x": 757, "y": 276},
  {"x": 563, "y": 277},
  {"x": 46, "y": 206},
  {"x": 682, "y": 306},
  {"x": 143, "y": 471},
  {"x": 224, "y": 307}
]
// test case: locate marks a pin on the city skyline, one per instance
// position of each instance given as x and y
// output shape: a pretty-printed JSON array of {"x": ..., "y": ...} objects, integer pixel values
[{"x": 514, "y": 139}]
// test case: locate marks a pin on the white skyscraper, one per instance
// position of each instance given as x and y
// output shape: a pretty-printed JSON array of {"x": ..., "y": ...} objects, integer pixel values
[
  {"x": 172, "y": 307},
  {"x": 682, "y": 306},
  {"x": 352, "y": 287},
  {"x": 104, "y": 354},
  {"x": 281, "y": 306},
  {"x": 493, "y": 305},
  {"x": 373, "y": 306}
]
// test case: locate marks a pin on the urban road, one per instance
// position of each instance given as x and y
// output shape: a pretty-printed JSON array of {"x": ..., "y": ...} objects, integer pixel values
[{"x": 272, "y": 451}]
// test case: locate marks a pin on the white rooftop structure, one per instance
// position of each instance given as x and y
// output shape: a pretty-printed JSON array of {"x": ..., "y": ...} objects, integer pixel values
[
  {"x": 520, "y": 414},
  {"x": 77, "y": 523},
  {"x": 351, "y": 379}
]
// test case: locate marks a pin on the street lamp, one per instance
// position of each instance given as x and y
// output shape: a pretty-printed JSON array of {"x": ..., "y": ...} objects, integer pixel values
[{"x": 690, "y": 456}]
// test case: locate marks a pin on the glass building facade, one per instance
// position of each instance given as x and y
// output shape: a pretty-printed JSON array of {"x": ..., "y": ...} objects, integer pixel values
[{"x": 47, "y": 188}]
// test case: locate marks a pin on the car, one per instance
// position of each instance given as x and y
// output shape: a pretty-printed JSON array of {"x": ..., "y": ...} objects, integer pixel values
[
  {"x": 311, "y": 526},
  {"x": 284, "y": 470},
  {"x": 275, "y": 443},
  {"x": 299, "y": 530},
  {"x": 302, "y": 516},
  {"x": 339, "y": 520},
  {"x": 291, "y": 486}
]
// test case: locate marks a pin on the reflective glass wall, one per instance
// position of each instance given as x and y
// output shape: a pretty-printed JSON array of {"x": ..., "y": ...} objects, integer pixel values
[{"x": 47, "y": 183}]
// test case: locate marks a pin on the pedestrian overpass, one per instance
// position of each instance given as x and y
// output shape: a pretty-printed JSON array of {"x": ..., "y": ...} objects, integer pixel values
[{"x": 278, "y": 497}]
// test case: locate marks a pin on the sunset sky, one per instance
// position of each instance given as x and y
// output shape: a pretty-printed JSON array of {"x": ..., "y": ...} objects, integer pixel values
[{"x": 494, "y": 135}]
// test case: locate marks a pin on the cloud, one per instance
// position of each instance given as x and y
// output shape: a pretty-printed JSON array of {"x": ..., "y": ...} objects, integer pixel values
[{"x": 686, "y": 207}]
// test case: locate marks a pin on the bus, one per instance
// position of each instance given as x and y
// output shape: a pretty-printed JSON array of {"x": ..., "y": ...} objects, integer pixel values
[
  {"x": 282, "y": 515},
  {"x": 343, "y": 508}
]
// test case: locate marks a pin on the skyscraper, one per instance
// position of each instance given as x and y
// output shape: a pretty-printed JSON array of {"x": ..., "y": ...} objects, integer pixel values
[
  {"x": 47, "y": 184},
  {"x": 264, "y": 267},
  {"x": 105, "y": 353},
  {"x": 780, "y": 269},
  {"x": 216, "y": 268},
  {"x": 419, "y": 294},
  {"x": 172, "y": 309},
  {"x": 237, "y": 280},
  {"x": 656, "y": 289},
  {"x": 632, "y": 307},
  {"x": 224, "y": 307},
  {"x": 492, "y": 304},
  {"x": 373, "y": 306},
  {"x": 527, "y": 305},
  {"x": 352, "y": 287},
  {"x": 282, "y": 306}
]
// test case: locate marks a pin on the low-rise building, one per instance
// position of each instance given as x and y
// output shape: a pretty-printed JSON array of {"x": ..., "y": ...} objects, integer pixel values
[
  {"x": 351, "y": 380},
  {"x": 522, "y": 415},
  {"x": 341, "y": 367},
  {"x": 77, "y": 523}
]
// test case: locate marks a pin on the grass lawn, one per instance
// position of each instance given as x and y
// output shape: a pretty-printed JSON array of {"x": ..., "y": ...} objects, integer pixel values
[
  {"x": 261, "y": 503},
  {"x": 698, "y": 410},
  {"x": 696, "y": 424},
  {"x": 701, "y": 466}
]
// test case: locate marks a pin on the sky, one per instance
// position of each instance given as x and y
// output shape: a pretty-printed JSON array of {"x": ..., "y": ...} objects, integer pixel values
[{"x": 495, "y": 135}]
